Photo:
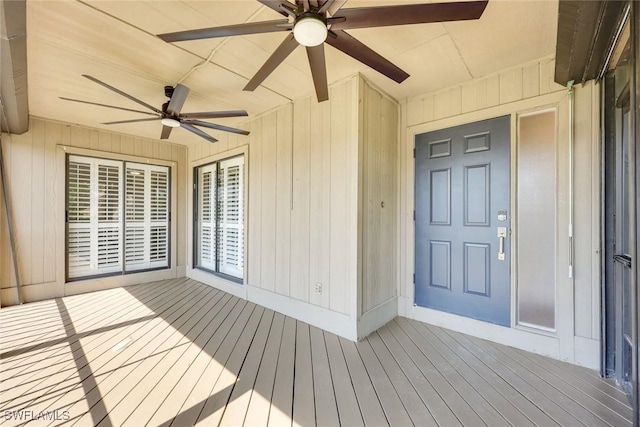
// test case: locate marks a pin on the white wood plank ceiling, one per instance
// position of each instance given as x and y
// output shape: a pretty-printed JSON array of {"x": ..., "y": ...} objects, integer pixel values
[{"x": 115, "y": 42}]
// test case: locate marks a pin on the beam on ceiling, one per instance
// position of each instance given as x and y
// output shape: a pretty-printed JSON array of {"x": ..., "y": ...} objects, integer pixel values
[{"x": 14, "y": 109}]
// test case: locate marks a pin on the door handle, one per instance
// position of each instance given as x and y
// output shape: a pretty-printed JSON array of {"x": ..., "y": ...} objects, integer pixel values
[
  {"x": 623, "y": 259},
  {"x": 502, "y": 234}
]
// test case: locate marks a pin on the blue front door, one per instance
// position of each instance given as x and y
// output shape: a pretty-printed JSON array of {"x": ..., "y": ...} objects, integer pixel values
[{"x": 462, "y": 220}]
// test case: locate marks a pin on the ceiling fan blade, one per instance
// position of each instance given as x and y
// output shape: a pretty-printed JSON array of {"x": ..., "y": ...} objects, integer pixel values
[
  {"x": 227, "y": 31},
  {"x": 306, "y": 6},
  {"x": 357, "y": 50},
  {"x": 278, "y": 5},
  {"x": 131, "y": 121},
  {"x": 280, "y": 54},
  {"x": 178, "y": 97},
  {"x": 166, "y": 131},
  {"x": 198, "y": 132},
  {"x": 332, "y": 6},
  {"x": 108, "y": 106},
  {"x": 214, "y": 114},
  {"x": 119, "y": 92},
  {"x": 215, "y": 126},
  {"x": 381, "y": 16},
  {"x": 318, "y": 71}
]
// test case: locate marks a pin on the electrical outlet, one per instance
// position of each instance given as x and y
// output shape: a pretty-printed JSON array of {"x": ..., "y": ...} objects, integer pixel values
[{"x": 318, "y": 288}]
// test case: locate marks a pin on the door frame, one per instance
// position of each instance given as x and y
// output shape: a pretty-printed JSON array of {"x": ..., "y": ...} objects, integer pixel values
[
  {"x": 560, "y": 344},
  {"x": 608, "y": 129},
  {"x": 635, "y": 222}
]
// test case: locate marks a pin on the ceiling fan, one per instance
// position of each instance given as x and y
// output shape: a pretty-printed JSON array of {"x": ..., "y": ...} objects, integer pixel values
[
  {"x": 170, "y": 115},
  {"x": 314, "y": 22}
]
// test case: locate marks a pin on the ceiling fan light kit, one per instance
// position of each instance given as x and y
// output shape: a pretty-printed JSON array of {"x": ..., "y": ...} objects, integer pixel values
[
  {"x": 172, "y": 123},
  {"x": 317, "y": 22},
  {"x": 310, "y": 30}
]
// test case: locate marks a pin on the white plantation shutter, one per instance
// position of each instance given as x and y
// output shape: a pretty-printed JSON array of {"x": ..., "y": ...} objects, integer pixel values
[
  {"x": 230, "y": 209},
  {"x": 147, "y": 217},
  {"x": 135, "y": 218},
  {"x": 159, "y": 235},
  {"x": 94, "y": 188},
  {"x": 79, "y": 217},
  {"x": 206, "y": 217},
  {"x": 220, "y": 228},
  {"x": 97, "y": 219}
]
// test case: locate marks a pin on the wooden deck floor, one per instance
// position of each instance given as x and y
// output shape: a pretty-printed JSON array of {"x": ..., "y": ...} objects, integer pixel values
[{"x": 181, "y": 353}]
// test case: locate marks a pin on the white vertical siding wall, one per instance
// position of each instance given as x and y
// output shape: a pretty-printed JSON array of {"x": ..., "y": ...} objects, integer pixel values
[
  {"x": 379, "y": 160},
  {"x": 521, "y": 89},
  {"x": 306, "y": 180},
  {"x": 302, "y": 207},
  {"x": 35, "y": 177}
]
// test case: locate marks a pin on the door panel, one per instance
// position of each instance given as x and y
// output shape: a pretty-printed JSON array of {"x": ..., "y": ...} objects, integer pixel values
[{"x": 462, "y": 185}]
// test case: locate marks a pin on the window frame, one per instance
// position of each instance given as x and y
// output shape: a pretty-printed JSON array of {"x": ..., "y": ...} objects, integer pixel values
[
  {"x": 123, "y": 161},
  {"x": 196, "y": 265}
]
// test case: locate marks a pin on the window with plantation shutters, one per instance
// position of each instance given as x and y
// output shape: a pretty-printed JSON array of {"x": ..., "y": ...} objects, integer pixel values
[
  {"x": 220, "y": 218},
  {"x": 117, "y": 217},
  {"x": 207, "y": 176},
  {"x": 231, "y": 217},
  {"x": 93, "y": 216},
  {"x": 147, "y": 217}
]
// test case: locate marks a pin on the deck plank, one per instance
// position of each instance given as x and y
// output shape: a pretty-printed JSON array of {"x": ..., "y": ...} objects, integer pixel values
[
  {"x": 605, "y": 391},
  {"x": 304, "y": 409},
  {"x": 475, "y": 398},
  {"x": 538, "y": 397},
  {"x": 503, "y": 413},
  {"x": 368, "y": 400},
  {"x": 178, "y": 352},
  {"x": 168, "y": 408},
  {"x": 436, "y": 405},
  {"x": 581, "y": 395},
  {"x": 59, "y": 369},
  {"x": 151, "y": 378},
  {"x": 531, "y": 411},
  {"x": 130, "y": 368},
  {"x": 282, "y": 397},
  {"x": 414, "y": 405},
  {"x": 348, "y": 408},
  {"x": 81, "y": 396},
  {"x": 260, "y": 403},
  {"x": 99, "y": 316},
  {"x": 200, "y": 391},
  {"x": 219, "y": 397},
  {"x": 236, "y": 410},
  {"x": 205, "y": 385},
  {"x": 461, "y": 408},
  {"x": 324, "y": 394},
  {"x": 167, "y": 374},
  {"x": 394, "y": 410}
]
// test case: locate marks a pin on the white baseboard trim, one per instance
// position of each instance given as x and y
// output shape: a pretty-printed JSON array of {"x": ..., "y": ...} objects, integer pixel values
[
  {"x": 92, "y": 285},
  {"x": 31, "y": 293},
  {"x": 525, "y": 340},
  {"x": 377, "y": 317},
  {"x": 217, "y": 282},
  {"x": 587, "y": 352},
  {"x": 331, "y": 321}
]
